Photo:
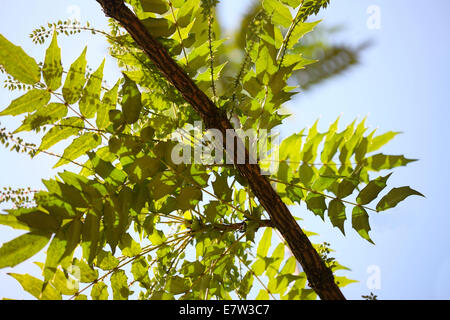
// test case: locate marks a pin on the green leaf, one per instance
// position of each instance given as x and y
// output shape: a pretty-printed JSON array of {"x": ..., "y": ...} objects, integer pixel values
[
  {"x": 381, "y": 140},
  {"x": 129, "y": 247},
  {"x": 280, "y": 13},
  {"x": 300, "y": 30},
  {"x": 11, "y": 221},
  {"x": 109, "y": 102},
  {"x": 346, "y": 187},
  {"x": 131, "y": 101},
  {"x": 395, "y": 196},
  {"x": 29, "y": 102},
  {"x": 139, "y": 269},
  {"x": 187, "y": 11},
  {"x": 87, "y": 273},
  {"x": 294, "y": 194},
  {"x": 37, "y": 219},
  {"x": 79, "y": 147},
  {"x": 99, "y": 291},
  {"x": 62, "y": 247},
  {"x": 53, "y": 69},
  {"x": 90, "y": 99},
  {"x": 17, "y": 63},
  {"x": 371, "y": 191},
  {"x": 177, "y": 285},
  {"x": 106, "y": 261},
  {"x": 119, "y": 284},
  {"x": 156, "y": 6},
  {"x": 383, "y": 162},
  {"x": 75, "y": 80},
  {"x": 306, "y": 174},
  {"x": 360, "y": 222},
  {"x": 63, "y": 285},
  {"x": 264, "y": 243},
  {"x": 316, "y": 203},
  {"x": 55, "y": 253},
  {"x": 259, "y": 266},
  {"x": 159, "y": 27},
  {"x": 221, "y": 188},
  {"x": 343, "y": 281},
  {"x": 22, "y": 248},
  {"x": 44, "y": 115},
  {"x": 336, "y": 213},
  {"x": 91, "y": 236},
  {"x": 63, "y": 130},
  {"x": 188, "y": 198},
  {"x": 106, "y": 170},
  {"x": 34, "y": 287},
  {"x": 262, "y": 295}
]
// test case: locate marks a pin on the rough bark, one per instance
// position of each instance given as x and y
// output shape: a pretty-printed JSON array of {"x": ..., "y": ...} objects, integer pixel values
[{"x": 320, "y": 277}]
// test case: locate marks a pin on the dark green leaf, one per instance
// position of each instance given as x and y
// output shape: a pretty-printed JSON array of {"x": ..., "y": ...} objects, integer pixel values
[
  {"x": 316, "y": 203},
  {"x": 371, "y": 191},
  {"x": 336, "y": 213},
  {"x": 395, "y": 196},
  {"x": 360, "y": 222},
  {"x": 156, "y": 6}
]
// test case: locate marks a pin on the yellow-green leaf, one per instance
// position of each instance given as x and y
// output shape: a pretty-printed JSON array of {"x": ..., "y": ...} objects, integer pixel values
[
  {"x": 99, "y": 291},
  {"x": 75, "y": 80},
  {"x": 131, "y": 101},
  {"x": 63, "y": 130},
  {"x": 45, "y": 115},
  {"x": 90, "y": 99},
  {"x": 79, "y": 147},
  {"x": 119, "y": 284},
  {"x": 29, "y": 102},
  {"x": 22, "y": 248},
  {"x": 280, "y": 13},
  {"x": 34, "y": 287},
  {"x": 17, "y": 63},
  {"x": 264, "y": 243},
  {"x": 53, "y": 69},
  {"x": 109, "y": 102}
]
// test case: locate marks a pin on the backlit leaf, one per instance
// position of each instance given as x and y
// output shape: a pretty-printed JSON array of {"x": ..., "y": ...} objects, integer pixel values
[
  {"x": 53, "y": 69},
  {"x": 17, "y": 63},
  {"x": 75, "y": 80},
  {"x": 22, "y": 248},
  {"x": 34, "y": 287},
  {"x": 80, "y": 146},
  {"x": 29, "y": 102}
]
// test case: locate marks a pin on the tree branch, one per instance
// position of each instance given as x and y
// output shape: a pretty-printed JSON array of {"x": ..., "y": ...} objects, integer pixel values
[{"x": 320, "y": 277}]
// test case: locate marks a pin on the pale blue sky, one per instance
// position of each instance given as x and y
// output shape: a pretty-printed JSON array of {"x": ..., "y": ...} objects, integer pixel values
[{"x": 401, "y": 85}]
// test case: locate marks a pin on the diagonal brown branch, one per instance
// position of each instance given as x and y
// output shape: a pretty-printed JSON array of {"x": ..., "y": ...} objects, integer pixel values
[{"x": 320, "y": 277}]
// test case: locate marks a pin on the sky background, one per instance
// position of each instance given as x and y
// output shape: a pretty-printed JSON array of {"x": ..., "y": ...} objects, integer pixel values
[{"x": 401, "y": 85}]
